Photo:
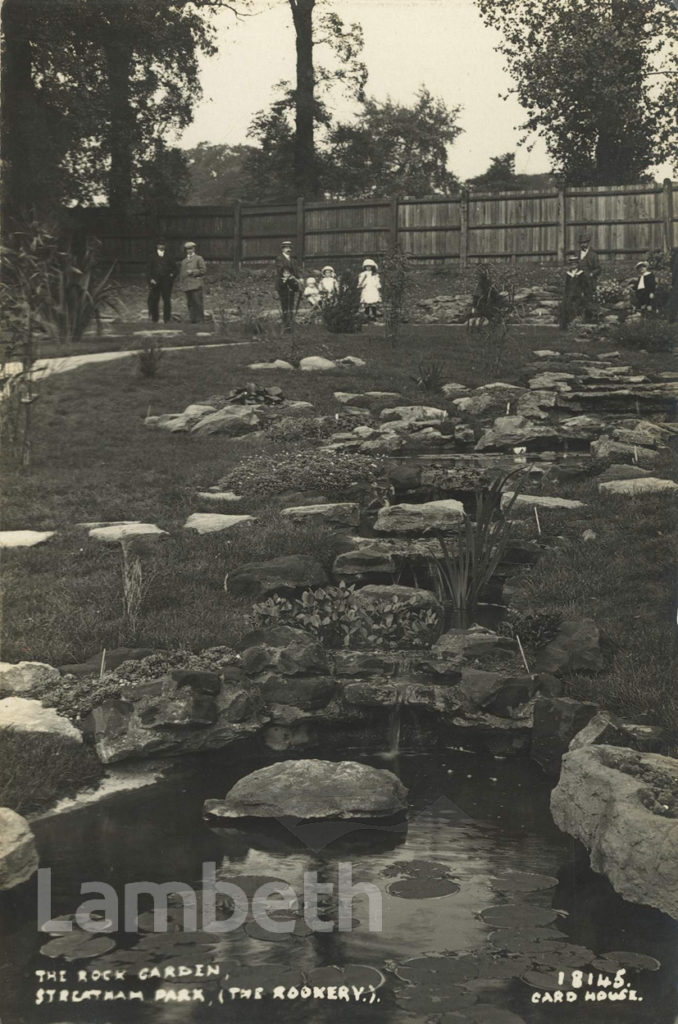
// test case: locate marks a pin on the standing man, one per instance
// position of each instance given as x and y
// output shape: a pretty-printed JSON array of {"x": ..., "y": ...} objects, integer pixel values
[
  {"x": 288, "y": 276},
  {"x": 191, "y": 276},
  {"x": 160, "y": 273},
  {"x": 589, "y": 262}
]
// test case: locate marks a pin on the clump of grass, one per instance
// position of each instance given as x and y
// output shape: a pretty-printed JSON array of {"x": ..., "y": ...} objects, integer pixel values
[
  {"x": 276, "y": 536},
  {"x": 149, "y": 357},
  {"x": 650, "y": 333},
  {"x": 37, "y": 769},
  {"x": 303, "y": 469}
]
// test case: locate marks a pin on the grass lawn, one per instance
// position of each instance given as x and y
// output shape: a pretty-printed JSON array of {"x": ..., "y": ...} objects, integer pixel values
[{"x": 94, "y": 460}]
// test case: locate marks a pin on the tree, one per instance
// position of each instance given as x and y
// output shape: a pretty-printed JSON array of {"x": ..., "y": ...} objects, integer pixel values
[
  {"x": 501, "y": 176},
  {"x": 287, "y": 157},
  {"x": 217, "y": 174},
  {"x": 109, "y": 79},
  {"x": 394, "y": 150},
  {"x": 583, "y": 71}
]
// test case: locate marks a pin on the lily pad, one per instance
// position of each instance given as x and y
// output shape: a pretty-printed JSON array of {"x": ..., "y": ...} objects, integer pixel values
[
  {"x": 266, "y": 976},
  {"x": 503, "y": 967},
  {"x": 421, "y": 1000},
  {"x": 563, "y": 955},
  {"x": 104, "y": 925},
  {"x": 523, "y": 881},
  {"x": 422, "y": 888},
  {"x": 435, "y": 970},
  {"x": 527, "y": 941},
  {"x": 359, "y": 975},
  {"x": 518, "y": 915},
  {"x": 78, "y": 946},
  {"x": 416, "y": 869},
  {"x": 618, "y": 959},
  {"x": 547, "y": 981}
]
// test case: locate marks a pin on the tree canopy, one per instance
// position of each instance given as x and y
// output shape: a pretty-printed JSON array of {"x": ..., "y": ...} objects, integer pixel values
[{"x": 593, "y": 78}]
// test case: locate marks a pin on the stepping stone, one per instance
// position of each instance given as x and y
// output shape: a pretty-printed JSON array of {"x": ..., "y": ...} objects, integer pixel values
[
  {"x": 23, "y": 715},
  {"x": 120, "y": 531},
  {"x": 541, "y": 501},
  {"x": 344, "y": 513},
  {"x": 24, "y": 538},
  {"x": 217, "y": 496},
  {"x": 351, "y": 361},
  {"x": 644, "y": 485},
  {"x": 317, "y": 363},
  {"x": 277, "y": 364},
  {"x": 344, "y": 397},
  {"x": 213, "y": 522},
  {"x": 444, "y": 515},
  {"x": 157, "y": 334}
]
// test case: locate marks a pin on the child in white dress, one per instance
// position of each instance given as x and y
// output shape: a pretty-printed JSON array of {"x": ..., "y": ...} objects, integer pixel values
[
  {"x": 312, "y": 293},
  {"x": 328, "y": 283},
  {"x": 369, "y": 283}
]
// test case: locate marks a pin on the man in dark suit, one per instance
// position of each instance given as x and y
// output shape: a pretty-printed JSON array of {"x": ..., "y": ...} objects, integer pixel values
[
  {"x": 161, "y": 273},
  {"x": 288, "y": 277},
  {"x": 589, "y": 264}
]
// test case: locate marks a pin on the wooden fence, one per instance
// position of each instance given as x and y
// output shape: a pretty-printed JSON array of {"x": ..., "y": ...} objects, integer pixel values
[{"x": 624, "y": 221}]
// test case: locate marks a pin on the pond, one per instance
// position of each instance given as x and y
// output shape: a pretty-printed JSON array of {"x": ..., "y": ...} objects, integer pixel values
[{"x": 478, "y": 838}]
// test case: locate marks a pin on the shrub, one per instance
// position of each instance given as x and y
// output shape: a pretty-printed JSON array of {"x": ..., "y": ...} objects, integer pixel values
[
  {"x": 337, "y": 618},
  {"x": 535, "y": 630},
  {"x": 303, "y": 469},
  {"x": 430, "y": 377},
  {"x": 37, "y": 769},
  {"x": 394, "y": 269},
  {"x": 341, "y": 311},
  {"x": 649, "y": 333},
  {"x": 149, "y": 356}
]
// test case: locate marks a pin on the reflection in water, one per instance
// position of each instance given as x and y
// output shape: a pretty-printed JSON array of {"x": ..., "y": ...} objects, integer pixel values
[{"x": 476, "y": 816}]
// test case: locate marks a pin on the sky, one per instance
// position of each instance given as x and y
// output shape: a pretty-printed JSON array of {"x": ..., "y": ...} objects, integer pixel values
[{"x": 442, "y": 44}]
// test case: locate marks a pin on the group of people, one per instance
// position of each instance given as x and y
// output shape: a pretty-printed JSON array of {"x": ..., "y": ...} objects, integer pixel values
[
  {"x": 321, "y": 287},
  {"x": 162, "y": 272}
]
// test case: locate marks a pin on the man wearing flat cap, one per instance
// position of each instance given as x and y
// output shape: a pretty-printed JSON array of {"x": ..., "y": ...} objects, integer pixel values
[
  {"x": 191, "y": 276},
  {"x": 161, "y": 272},
  {"x": 287, "y": 281}
]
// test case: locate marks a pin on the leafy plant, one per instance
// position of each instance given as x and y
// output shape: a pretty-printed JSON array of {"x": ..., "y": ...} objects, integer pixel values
[
  {"x": 341, "y": 310},
  {"x": 463, "y": 574},
  {"x": 149, "y": 356},
  {"x": 494, "y": 305},
  {"x": 534, "y": 629},
  {"x": 394, "y": 269},
  {"x": 649, "y": 333},
  {"x": 430, "y": 377},
  {"x": 337, "y": 617},
  {"x": 305, "y": 469}
]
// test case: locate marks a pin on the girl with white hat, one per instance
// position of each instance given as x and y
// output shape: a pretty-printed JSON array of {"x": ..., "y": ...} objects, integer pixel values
[
  {"x": 370, "y": 289},
  {"x": 327, "y": 283}
]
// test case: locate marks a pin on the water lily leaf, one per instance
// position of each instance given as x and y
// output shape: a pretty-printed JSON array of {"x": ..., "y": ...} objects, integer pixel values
[
  {"x": 78, "y": 946},
  {"x": 422, "y": 888},
  {"x": 420, "y": 1000},
  {"x": 437, "y": 970},
  {"x": 527, "y": 941},
  {"x": 325, "y": 976},
  {"x": 547, "y": 981},
  {"x": 359, "y": 975},
  {"x": 416, "y": 869},
  {"x": 523, "y": 881},
  {"x": 518, "y": 915},
  {"x": 266, "y": 976},
  {"x": 617, "y": 959},
  {"x": 103, "y": 925},
  {"x": 563, "y": 954},
  {"x": 503, "y": 967}
]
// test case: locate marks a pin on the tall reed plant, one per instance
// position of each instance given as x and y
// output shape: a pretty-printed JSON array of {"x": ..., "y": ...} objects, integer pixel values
[{"x": 461, "y": 575}]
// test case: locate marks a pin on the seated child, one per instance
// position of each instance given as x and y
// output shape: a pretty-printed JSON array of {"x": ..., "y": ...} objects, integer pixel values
[{"x": 311, "y": 292}]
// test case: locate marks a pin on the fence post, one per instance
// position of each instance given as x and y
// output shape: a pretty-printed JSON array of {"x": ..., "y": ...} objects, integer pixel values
[
  {"x": 668, "y": 215},
  {"x": 463, "y": 235},
  {"x": 237, "y": 234},
  {"x": 393, "y": 222},
  {"x": 561, "y": 241},
  {"x": 301, "y": 229}
]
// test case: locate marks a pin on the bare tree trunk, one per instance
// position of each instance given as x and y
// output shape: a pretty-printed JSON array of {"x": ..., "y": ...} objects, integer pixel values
[
  {"x": 121, "y": 131},
  {"x": 305, "y": 170},
  {"x": 17, "y": 102}
]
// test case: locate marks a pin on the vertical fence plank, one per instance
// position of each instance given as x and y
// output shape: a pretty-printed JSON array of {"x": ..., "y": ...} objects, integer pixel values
[
  {"x": 393, "y": 222},
  {"x": 561, "y": 231},
  {"x": 301, "y": 229},
  {"x": 667, "y": 214},
  {"x": 237, "y": 234},
  {"x": 463, "y": 235}
]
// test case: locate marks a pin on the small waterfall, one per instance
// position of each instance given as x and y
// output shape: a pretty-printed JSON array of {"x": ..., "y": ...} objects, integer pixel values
[{"x": 394, "y": 724}]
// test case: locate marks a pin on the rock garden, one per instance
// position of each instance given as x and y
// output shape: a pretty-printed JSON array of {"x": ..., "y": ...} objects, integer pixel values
[{"x": 361, "y": 596}]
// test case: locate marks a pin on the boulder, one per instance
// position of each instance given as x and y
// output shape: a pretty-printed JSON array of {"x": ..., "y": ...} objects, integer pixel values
[
  {"x": 496, "y": 692},
  {"x": 540, "y": 500},
  {"x": 18, "y": 853},
  {"x": 288, "y": 574},
  {"x": 312, "y": 790},
  {"x": 342, "y": 513},
  {"x": 453, "y": 390},
  {"x": 447, "y": 516},
  {"x": 214, "y": 522},
  {"x": 374, "y": 595},
  {"x": 615, "y": 451},
  {"x": 575, "y": 648},
  {"x": 22, "y": 678},
  {"x": 631, "y": 488},
  {"x": 311, "y": 363},
  {"x": 276, "y": 364},
  {"x": 372, "y": 693},
  {"x": 23, "y": 715},
  {"x": 354, "y": 664},
  {"x": 24, "y": 538},
  {"x": 219, "y": 496},
  {"x": 414, "y": 414},
  {"x": 306, "y": 692},
  {"x": 513, "y": 432},
  {"x": 617, "y": 803},
  {"x": 557, "y": 720},
  {"x": 363, "y": 564},
  {"x": 284, "y": 650},
  {"x": 604, "y": 727},
  {"x": 231, "y": 421},
  {"x": 623, "y": 472},
  {"x": 469, "y": 644}
]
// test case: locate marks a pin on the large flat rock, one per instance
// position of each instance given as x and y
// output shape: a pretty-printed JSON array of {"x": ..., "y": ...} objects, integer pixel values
[
  {"x": 614, "y": 814},
  {"x": 24, "y": 538},
  {"x": 214, "y": 522},
  {"x": 312, "y": 790},
  {"x": 640, "y": 485},
  {"x": 18, "y": 855},
  {"x": 23, "y": 715},
  {"x": 446, "y": 516}
]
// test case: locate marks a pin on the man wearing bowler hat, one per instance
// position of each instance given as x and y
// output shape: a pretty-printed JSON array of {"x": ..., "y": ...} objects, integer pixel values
[
  {"x": 161, "y": 272},
  {"x": 288, "y": 276},
  {"x": 191, "y": 276}
]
